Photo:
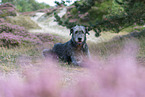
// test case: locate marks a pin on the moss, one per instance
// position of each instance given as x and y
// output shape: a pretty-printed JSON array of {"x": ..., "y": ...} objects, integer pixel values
[{"x": 24, "y": 21}]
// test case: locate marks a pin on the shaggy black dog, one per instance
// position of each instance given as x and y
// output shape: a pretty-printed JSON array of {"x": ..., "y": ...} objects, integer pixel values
[{"x": 73, "y": 51}]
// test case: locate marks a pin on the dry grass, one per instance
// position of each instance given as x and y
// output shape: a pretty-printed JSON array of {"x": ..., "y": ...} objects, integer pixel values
[
  {"x": 12, "y": 58},
  {"x": 114, "y": 46},
  {"x": 9, "y": 56},
  {"x": 24, "y": 21}
]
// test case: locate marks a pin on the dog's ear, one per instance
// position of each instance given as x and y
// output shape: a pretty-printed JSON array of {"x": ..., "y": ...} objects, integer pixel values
[
  {"x": 71, "y": 31},
  {"x": 86, "y": 29}
]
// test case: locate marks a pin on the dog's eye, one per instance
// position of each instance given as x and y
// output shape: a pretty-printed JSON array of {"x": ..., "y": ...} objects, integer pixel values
[{"x": 76, "y": 32}]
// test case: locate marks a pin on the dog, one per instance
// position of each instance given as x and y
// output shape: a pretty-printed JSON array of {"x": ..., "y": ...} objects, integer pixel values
[{"x": 75, "y": 50}]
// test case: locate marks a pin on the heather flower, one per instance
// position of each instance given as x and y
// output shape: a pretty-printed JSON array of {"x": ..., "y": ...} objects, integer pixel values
[
  {"x": 7, "y": 5},
  {"x": 7, "y": 9},
  {"x": 14, "y": 35},
  {"x": 37, "y": 83},
  {"x": 1, "y": 12},
  {"x": 118, "y": 76},
  {"x": 9, "y": 39}
]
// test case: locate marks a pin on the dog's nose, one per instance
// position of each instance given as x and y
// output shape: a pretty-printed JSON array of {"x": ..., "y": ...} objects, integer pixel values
[{"x": 80, "y": 39}]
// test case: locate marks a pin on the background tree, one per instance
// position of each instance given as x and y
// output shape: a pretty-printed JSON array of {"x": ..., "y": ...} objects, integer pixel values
[
  {"x": 27, "y": 5},
  {"x": 62, "y": 3},
  {"x": 85, "y": 6},
  {"x": 128, "y": 13}
]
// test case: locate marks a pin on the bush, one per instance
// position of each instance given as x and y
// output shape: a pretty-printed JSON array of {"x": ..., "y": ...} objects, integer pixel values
[
  {"x": 8, "y": 39},
  {"x": 7, "y": 9},
  {"x": 14, "y": 35},
  {"x": 7, "y": 5},
  {"x": 9, "y": 28}
]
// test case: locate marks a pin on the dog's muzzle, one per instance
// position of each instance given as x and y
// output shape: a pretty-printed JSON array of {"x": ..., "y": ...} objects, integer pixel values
[{"x": 79, "y": 41}]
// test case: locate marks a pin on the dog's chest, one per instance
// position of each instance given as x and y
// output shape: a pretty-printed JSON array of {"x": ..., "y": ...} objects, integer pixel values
[{"x": 78, "y": 54}]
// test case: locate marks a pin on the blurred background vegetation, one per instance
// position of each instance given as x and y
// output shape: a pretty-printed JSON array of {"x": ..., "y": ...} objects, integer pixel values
[{"x": 27, "y": 5}]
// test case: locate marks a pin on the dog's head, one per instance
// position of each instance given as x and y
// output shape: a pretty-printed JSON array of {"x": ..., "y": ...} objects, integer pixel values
[{"x": 79, "y": 34}]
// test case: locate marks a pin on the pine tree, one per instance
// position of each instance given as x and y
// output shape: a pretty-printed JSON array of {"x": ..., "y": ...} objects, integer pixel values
[{"x": 134, "y": 12}]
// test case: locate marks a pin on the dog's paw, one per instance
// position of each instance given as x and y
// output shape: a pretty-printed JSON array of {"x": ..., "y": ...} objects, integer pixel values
[
  {"x": 76, "y": 63},
  {"x": 46, "y": 53}
]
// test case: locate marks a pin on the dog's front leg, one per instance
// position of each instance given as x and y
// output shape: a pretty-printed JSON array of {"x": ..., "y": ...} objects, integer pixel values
[
  {"x": 88, "y": 54},
  {"x": 46, "y": 53},
  {"x": 74, "y": 61}
]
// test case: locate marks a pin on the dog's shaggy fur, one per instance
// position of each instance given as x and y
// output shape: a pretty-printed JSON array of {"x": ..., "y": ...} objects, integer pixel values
[{"x": 73, "y": 51}]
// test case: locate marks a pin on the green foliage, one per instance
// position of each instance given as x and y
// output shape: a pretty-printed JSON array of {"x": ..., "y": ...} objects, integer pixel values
[
  {"x": 122, "y": 14},
  {"x": 74, "y": 11},
  {"x": 27, "y": 5},
  {"x": 62, "y": 3},
  {"x": 116, "y": 8},
  {"x": 120, "y": 17},
  {"x": 64, "y": 23},
  {"x": 5, "y": 1},
  {"x": 85, "y": 6}
]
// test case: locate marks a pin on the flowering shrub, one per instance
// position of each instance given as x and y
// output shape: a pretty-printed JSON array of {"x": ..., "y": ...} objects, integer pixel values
[
  {"x": 14, "y": 35},
  {"x": 7, "y": 5},
  {"x": 9, "y": 28},
  {"x": 2, "y": 20},
  {"x": 7, "y": 9},
  {"x": 9, "y": 39},
  {"x": 119, "y": 76}
]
